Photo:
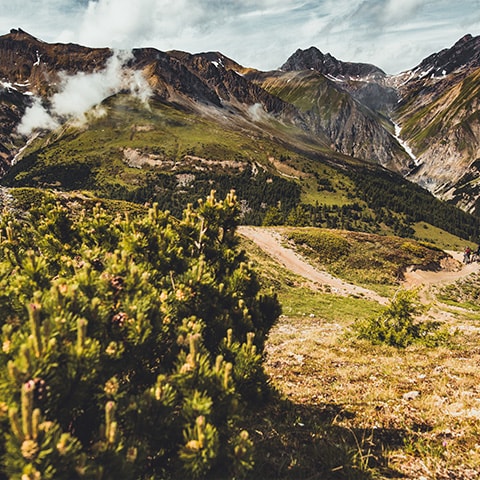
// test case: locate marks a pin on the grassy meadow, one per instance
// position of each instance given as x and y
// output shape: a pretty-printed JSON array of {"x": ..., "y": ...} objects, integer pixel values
[{"x": 348, "y": 409}]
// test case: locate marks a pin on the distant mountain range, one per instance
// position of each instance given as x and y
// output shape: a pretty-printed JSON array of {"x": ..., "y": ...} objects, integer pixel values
[{"x": 147, "y": 124}]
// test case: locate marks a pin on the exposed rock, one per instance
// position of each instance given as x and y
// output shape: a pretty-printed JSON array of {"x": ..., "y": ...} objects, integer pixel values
[
  {"x": 411, "y": 395},
  {"x": 464, "y": 54},
  {"x": 35, "y": 65},
  {"x": 314, "y": 59}
]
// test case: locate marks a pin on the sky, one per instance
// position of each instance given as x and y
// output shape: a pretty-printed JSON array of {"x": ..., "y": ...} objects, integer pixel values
[{"x": 394, "y": 35}]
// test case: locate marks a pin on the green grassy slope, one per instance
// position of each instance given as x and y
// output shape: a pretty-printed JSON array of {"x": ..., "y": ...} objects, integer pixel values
[{"x": 166, "y": 154}]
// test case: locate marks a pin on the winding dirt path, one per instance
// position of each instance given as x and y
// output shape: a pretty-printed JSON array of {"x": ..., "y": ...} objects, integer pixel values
[
  {"x": 414, "y": 278},
  {"x": 270, "y": 241}
]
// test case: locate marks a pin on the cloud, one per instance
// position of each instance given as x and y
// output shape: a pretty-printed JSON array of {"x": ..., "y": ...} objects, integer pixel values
[
  {"x": 257, "y": 112},
  {"x": 256, "y": 33},
  {"x": 79, "y": 93},
  {"x": 36, "y": 117},
  {"x": 402, "y": 9}
]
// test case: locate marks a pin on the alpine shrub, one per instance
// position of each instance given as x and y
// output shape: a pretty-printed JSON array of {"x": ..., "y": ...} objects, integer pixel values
[
  {"x": 131, "y": 346},
  {"x": 397, "y": 326}
]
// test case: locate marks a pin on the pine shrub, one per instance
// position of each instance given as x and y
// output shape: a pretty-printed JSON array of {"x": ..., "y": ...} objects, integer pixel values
[
  {"x": 397, "y": 324},
  {"x": 131, "y": 346}
]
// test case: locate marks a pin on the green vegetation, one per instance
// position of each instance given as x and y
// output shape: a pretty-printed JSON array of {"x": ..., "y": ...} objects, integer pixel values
[
  {"x": 131, "y": 345},
  {"x": 307, "y": 92},
  {"x": 384, "y": 194},
  {"x": 362, "y": 258},
  {"x": 363, "y": 410},
  {"x": 159, "y": 155},
  {"x": 138, "y": 377},
  {"x": 397, "y": 326},
  {"x": 425, "y": 232},
  {"x": 465, "y": 293},
  {"x": 300, "y": 300},
  {"x": 166, "y": 155}
]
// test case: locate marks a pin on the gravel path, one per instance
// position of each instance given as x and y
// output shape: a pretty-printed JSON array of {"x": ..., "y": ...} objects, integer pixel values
[{"x": 270, "y": 242}]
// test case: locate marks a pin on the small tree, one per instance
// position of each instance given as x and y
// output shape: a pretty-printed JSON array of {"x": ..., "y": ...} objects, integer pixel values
[
  {"x": 397, "y": 326},
  {"x": 131, "y": 347},
  {"x": 273, "y": 216}
]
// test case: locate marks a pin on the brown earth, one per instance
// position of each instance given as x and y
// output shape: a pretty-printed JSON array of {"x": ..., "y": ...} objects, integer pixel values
[{"x": 270, "y": 241}]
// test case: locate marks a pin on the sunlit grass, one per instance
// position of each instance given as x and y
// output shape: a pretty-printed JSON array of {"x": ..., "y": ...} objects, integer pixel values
[
  {"x": 366, "y": 411},
  {"x": 436, "y": 236},
  {"x": 417, "y": 407}
]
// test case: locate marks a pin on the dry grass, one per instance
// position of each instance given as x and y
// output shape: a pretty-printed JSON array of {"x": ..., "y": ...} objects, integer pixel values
[
  {"x": 414, "y": 412},
  {"x": 348, "y": 409}
]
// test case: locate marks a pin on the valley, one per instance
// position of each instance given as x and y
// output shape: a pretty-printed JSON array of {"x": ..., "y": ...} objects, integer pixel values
[{"x": 263, "y": 265}]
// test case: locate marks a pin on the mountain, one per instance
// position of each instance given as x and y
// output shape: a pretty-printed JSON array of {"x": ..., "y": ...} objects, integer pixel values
[
  {"x": 12, "y": 108},
  {"x": 463, "y": 56},
  {"x": 432, "y": 110},
  {"x": 439, "y": 116},
  {"x": 353, "y": 127},
  {"x": 311, "y": 142},
  {"x": 365, "y": 82},
  {"x": 313, "y": 59},
  {"x": 31, "y": 63}
]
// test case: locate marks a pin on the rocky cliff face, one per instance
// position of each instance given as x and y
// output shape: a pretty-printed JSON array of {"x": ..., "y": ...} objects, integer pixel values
[
  {"x": 222, "y": 76},
  {"x": 353, "y": 128},
  {"x": 210, "y": 78},
  {"x": 30, "y": 67},
  {"x": 464, "y": 55},
  {"x": 313, "y": 59},
  {"x": 12, "y": 107},
  {"x": 440, "y": 120},
  {"x": 35, "y": 65}
]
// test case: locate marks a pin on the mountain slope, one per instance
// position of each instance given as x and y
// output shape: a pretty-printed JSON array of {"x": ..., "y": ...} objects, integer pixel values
[
  {"x": 12, "y": 108},
  {"x": 34, "y": 65},
  {"x": 435, "y": 105},
  {"x": 353, "y": 128},
  {"x": 297, "y": 146},
  {"x": 439, "y": 116}
]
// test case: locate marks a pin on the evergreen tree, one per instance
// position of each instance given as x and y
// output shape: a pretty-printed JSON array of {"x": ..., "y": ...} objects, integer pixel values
[{"x": 131, "y": 347}]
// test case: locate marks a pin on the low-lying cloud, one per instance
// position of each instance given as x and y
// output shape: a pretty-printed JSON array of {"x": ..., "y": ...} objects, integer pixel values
[
  {"x": 36, "y": 117},
  {"x": 257, "y": 112},
  {"x": 79, "y": 93}
]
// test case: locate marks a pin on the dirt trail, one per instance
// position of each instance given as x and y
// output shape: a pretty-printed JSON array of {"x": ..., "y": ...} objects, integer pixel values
[
  {"x": 414, "y": 278},
  {"x": 270, "y": 241}
]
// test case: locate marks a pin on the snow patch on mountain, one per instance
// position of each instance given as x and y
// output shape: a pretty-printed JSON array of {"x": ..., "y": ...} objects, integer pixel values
[{"x": 404, "y": 144}]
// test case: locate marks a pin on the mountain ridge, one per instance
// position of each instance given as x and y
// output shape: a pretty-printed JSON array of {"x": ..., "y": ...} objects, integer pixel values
[
  {"x": 286, "y": 116},
  {"x": 313, "y": 59}
]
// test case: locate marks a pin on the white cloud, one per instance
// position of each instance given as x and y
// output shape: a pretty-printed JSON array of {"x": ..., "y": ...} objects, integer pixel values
[
  {"x": 36, "y": 116},
  {"x": 256, "y": 33},
  {"x": 79, "y": 93},
  {"x": 257, "y": 112},
  {"x": 401, "y": 9}
]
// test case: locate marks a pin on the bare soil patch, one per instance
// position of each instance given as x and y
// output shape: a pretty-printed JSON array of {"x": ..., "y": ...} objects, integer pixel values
[{"x": 270, "y": 241}]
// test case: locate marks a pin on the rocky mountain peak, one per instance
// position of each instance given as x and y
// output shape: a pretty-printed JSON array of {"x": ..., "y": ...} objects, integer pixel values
[
  {"x": 313, "y": 59},
  {"x": 33, "y": 64},
  {"x": 464, "y": 54}
]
